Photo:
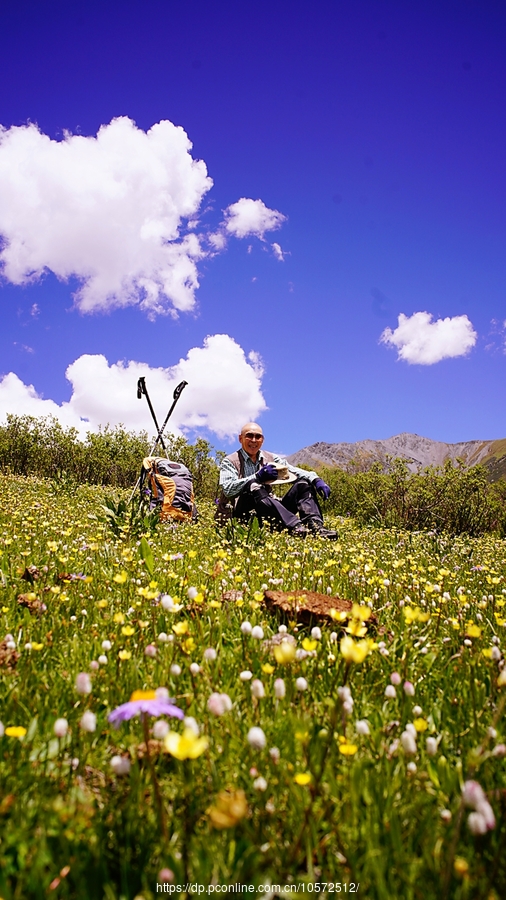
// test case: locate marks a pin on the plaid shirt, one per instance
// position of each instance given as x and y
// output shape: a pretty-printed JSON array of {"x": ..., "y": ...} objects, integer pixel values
[{"x": 232, "y": 485}]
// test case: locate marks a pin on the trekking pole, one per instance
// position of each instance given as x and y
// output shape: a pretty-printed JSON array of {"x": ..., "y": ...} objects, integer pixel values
[
  {"x": 176, "y": 395},
  {"x": 142, "y": 389}
]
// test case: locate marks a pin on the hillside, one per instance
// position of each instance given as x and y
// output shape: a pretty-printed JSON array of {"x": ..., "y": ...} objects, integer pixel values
[{"x": 418, "y": 451}]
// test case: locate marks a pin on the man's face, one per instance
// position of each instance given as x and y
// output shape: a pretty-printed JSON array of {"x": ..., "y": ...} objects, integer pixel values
[{"x": 251, "y": 439}]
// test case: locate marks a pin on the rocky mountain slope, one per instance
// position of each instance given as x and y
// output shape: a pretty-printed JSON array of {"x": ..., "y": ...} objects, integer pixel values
[{"x": 419, "y": 452}]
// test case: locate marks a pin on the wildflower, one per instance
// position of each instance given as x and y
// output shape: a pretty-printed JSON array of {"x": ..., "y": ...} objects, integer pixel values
[
  {"x": 284, "y": 653},
  {"x": 395, "y": 678},
  {"x": 477, "y": 823},
  {"x": 417, "y": 710},
  {"x": 191, "y": 593},
  {"x": 102, "y": 660},
  {"x": 256, "y": 738},
  {"x": 160, "y": 729},
  {"x": 186, "y": 745},
  {"x": 194, "y": 668},
  {"x": 409, "y": 689},
  {"x": 390, "y": 692},
  {"x": 499, "y": 751},
  {"x": 460, "y": 866},
  {"x": 94, "y": 665},
  {"x": 163, "y": 637},
  {"x": 257, "y": 689},
  {"x": 210, "y": 654},
  {"x": 431, "y": 746},
  {"x": 191, "y": 723},
  {"x": 150, "y": 651},
  {"x": 61, "y": 727},
  {"x": 246, "y": 628},
  {"x": 120, "y": 765},
  {"x": 175, "y": 669},
  {"x": 267, "y": 669},
  {"x": 88, "y": 721},
  {"x": 354, "y": 652},
  {"x": 282, "y": 629},
  {"x": 260, "y": 784},
  {"x": 501, "y": 681},
  {"x": 125, "y": 654},
  {"x": 473, "y": 796},
  {"x": 106, "y": 645},
  {"x": 274, "y": 754},
  {"x": 309, "y": 645},
  {"x": 16, "y": 731},
  {"x": 246, "y": 675},
  {"x": 347, "y": 749},
  {"x": 408, "y": 743},
  {"x": 143, "y": 702},
  {"x": 257, "y": 632},
  {"x": 279, "y": 689},
  {"x": 127, "y": 630},
  {"x": 446, "y": 816},
  {"x": 83, "y": 683},
  {"x": 316, "y": 633},
  {"x": 303, "y": 778},
  {"x": 166, "y": 875},
  {"x": 228, "y": 809},
  {"x": 180, "y": 628},
  {"x": 420, "y": 724},
  {"x": 219, "y": 704},
  {"x": 411, "y": 767},
  {"x": 362, "y": 727},
  {"x": 2, "y": 729},
  {"x": 301, "y": 684}
]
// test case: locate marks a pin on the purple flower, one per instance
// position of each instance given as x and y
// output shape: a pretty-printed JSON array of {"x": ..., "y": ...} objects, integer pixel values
[{"x": 144, "y": 703}]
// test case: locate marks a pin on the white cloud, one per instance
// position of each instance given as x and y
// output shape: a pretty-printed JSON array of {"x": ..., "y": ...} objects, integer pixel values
[
  {"x": 423, "y": 342},
  {"x": 247, "y": 217},
  {"x": 278, "y": 253},
  {"x": 117, "y": 211},
  {"x": 223, "y": 392}
]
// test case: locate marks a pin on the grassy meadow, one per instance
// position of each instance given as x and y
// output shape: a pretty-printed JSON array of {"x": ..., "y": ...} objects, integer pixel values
[{"x": 369, "y": 754}]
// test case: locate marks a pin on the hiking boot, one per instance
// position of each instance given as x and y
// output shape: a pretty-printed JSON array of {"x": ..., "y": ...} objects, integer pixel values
[
  {"x": 317, "y": 527},
  {"x": 299, "y": 531}
]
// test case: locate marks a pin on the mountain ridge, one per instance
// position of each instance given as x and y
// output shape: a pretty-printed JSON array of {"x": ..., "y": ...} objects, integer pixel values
[{"x": 419, "y": 452}]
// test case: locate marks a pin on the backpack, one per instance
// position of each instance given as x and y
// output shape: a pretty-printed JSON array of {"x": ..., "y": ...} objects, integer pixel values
[
  {"x": 169, "y": 486},
  {"x": 225, "y": 506}
]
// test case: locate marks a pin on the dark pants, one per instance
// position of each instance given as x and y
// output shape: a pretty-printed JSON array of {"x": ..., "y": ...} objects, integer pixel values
[{"x": 300, "y": 500}]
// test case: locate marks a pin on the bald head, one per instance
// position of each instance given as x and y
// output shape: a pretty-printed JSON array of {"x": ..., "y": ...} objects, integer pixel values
[{"x": 251, "y": 439}]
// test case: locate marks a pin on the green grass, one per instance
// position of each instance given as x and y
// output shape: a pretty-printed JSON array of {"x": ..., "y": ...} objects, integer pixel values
[{"x": 71, "y": 828}]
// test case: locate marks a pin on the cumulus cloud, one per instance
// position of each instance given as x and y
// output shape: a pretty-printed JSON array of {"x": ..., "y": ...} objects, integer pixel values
[
  {"x": 278, "y": 252},
  {"x": 117, "y": 211},
  {"x": 420, "y": 341},
  {"x": 223, "y": 392},
  {"x": 251, "y": 217}
]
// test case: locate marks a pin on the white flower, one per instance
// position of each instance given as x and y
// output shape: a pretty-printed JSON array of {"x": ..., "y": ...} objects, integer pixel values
[
  {"x": 495, "y": 653},
  {"x": 411, "y": 767},
  {"x": 409, "y": 689},
  {"x": 94, "y": 665},
  {"x": 2, "y": 729},
  {"x": 88, "y": 721},
  {"x": 395, "y": 678},
  {"x": 210, "y": 654},
  {"x": 431, "y": 746},
  {"x": 257, "y": 689},
  {"x": 417, "y": 710},
  {"x": 477, "y": 823},
  {"x": 83, "y": 683},
  {"x": 282, "y": 629},
  {"x": 390, "y": 692},
  {"x": 106, "y": 645},
  {"x": 120, "y": 765},
  {"x": 333, "y": 637},
  {"x": 191, "y": 593},
  {"x": 61, "y": 727},
  {"x": 279, "y": 689},
  {"x": 219, "y": 704},
  {"x": 167, "y": 602},
  {"x": 274, "y": 754},
  {"x": 499, "y": 751},
  {"x": 175, "y": 669},
  {"x": 28, "y": 646},
  {"x": 102, "y": 660},
  {"x": 260, "y": 784},
  {"x": 316, "y": 633},
  {"x": 257, "y": 632},
  {"x": 410, "y": 728},
  {"x": 301, "y": 684},
  {"x": 408, "y": 743},
  {"x": 162, "y": 693},
  {"x": 194, "y": 668},
  {"x": 160, "y": 729},
  {"x": 473, "y": 794},
  {"x": 162, "y": 637},
  {"x": 246, "y": 675},
  {"x": 190, "y": 722},
  {"x": 150, "y": 651},
  {"x": 246, "y": 628},
  {"x": 256, "y": 738},
  {"x": 446, "y": 815},
  {"x": 362, "y": 727}
]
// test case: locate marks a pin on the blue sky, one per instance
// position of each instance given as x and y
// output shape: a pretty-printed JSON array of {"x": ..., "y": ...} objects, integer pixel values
[{"x": 376, "y": 129}]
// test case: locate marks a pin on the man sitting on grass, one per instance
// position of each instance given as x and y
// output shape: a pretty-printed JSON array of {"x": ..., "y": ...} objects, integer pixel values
[{"x": 246, "y": 477}]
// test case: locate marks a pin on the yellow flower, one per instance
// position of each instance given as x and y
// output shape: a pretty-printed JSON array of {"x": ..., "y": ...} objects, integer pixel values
[
  {"x": 420, "y": 725},
  {"x": 189, "y": 645},
  {"x": 284, "y": 653},
  {"x": 127, "y": 630},
  {"x": 180, "y": 628},
  {"x": 52, "y": 546},
  {"x": 309, "y": 645},
  {"x": 356, "y": 628},
  {"x": 199, "y": 598},
  {"x": 354, "y": 652},
  {"x": 16, "y": 731},
  {"x": 473, "y": 630},
  {"x": 501, "y": 681},
  {"x": 119, "y": 618},
  {"x": 120, "y": 578},
  {"x": 124, "y": 654},
  {"x": 338, "y": 615},
  {"x": 36, "y": 646},
  {"x": 192, "y": 554},
  {"x": 258, "y": 596},
  {"x": 303, "y": 778},
  {"x": 186, "y": 745},
  {"x": 230, "y": 807},
  {"x": 414, "y": 614},
  {"x": 361, "y": 612},
  {"x": 348, "y": 749},
  {"x": 267, "y": 668},
  {"x": 461, "y": 866},
  {"x": 102, "y": 604},
  {"x": 216, "y": 604}
]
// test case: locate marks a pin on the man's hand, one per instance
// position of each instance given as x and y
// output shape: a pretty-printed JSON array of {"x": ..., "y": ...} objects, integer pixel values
[
  {"x": 267, "y": 473},
  {"x": 322, "y": 487}
]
